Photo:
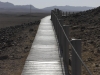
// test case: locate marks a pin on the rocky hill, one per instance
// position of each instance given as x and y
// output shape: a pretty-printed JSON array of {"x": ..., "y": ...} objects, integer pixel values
[{"x": 86, "y": 26}]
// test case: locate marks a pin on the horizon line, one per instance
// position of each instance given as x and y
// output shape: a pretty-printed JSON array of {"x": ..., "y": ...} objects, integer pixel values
[{"x": 46, "y": 6}]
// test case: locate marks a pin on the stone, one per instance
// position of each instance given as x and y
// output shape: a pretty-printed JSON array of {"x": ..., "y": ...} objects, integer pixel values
[{"x": 4, "y": 57}]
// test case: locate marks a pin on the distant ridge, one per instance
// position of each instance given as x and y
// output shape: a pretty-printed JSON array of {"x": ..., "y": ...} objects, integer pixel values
[
  {"x": 69, "y": 8},
  {"x": 9, "y": 7}
]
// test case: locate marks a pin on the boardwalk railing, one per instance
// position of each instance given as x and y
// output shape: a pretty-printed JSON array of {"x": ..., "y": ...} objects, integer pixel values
[{"x": 62, "y": 32}]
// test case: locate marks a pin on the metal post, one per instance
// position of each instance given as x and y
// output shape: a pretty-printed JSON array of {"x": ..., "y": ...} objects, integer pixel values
[
  {"x": 51, "y": 14},
  {"x": 69, "y": 14},
  {"x": 54, "y": 21},
  {"x": 63, "y": 14},
  {"x": 73, "y": 13},
  {"x": 60, "y": 14},
  {"x": 56, "y": 25},
  {"x": 57, "y": 30},
  {"x": 57, "y": 11},
  {"x": 61, "y": 35},
  {"x": 76, "y": 63},
  {"x": 66, "y": 14},
  {"x": 61, "y": 21},
  {"x": 66, "y": 47}
]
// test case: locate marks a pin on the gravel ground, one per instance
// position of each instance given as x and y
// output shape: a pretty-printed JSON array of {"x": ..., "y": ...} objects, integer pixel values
[
  {"x": 15, "y": 44},
  {"x": 86, "y": 26},
  {"x": 17, "y": 32}
]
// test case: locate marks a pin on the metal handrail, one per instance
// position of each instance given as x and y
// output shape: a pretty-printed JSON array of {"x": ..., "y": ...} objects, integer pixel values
[{"x": 73, "y": 47}]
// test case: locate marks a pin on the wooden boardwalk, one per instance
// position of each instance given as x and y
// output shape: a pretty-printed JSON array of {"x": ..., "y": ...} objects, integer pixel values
[{"x": 44, "y": 57}]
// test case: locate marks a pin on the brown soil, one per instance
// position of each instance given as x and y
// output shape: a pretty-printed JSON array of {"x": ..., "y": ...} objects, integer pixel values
[
  {"x": 86, "y": 26},
  {"x": 12, "y": 19},
  {"x": 15, "y": 44}
]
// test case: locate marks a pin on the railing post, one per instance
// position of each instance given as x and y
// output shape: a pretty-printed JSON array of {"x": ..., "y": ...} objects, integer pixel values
[
  {"x": 57, "y": 11},
  {"x": 61, "y": 35},
  {"x": 54, "y": 21},
  {"x": 61, "y": 21},
  {"x": 69, "y": 13},
  {"x": 57, "y": 30},
  {"x": 76, "y": 63},
  {"x": 63, "y": 14},
  {"x": 51, "y": 15},
  {"x": 66, "y": 14},
  {"x": 56, "y": 25},
  {"x": 66, "y": 47},
  {"x": 60, "y": 15}
]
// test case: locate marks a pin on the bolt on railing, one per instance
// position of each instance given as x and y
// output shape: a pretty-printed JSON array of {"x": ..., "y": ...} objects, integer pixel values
[{"x": 62, "y": 32}]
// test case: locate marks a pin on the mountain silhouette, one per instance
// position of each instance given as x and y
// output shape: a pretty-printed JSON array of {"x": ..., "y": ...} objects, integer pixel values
[
  {"x": 9, "y": 7},
  {"x": 69, "y": 8}
]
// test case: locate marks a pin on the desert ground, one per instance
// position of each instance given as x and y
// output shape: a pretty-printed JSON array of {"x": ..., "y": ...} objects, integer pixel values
[
  {"x": 17, "y": 32},
  {"x": 86, "y": 26},
  {"x": 12, "y": 19}
]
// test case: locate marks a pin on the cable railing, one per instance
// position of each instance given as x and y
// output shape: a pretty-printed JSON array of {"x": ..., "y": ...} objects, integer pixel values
[{"x": 62, "y": 32}]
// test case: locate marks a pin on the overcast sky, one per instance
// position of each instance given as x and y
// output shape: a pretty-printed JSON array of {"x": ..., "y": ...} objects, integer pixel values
[{"x": 47, "y": 3}]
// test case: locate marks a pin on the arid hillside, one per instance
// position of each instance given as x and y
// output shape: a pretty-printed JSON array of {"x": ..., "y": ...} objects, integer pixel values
[
  {"x": 86, "y": 26},
  {"x": 17, "y": 32}
]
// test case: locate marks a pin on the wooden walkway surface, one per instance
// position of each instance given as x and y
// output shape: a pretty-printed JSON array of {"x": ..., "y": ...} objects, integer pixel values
[{"x": 44, "y": 58}]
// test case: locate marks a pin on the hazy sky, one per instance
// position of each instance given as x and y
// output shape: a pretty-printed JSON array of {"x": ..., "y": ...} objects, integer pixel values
[{"x": 46, "y": 3}]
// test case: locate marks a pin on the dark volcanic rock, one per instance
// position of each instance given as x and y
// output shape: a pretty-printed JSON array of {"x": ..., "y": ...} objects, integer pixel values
[{"x": 3, "y": 57}]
